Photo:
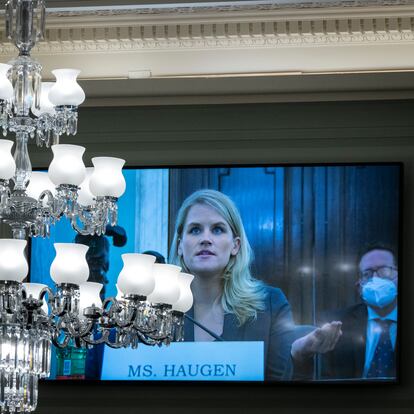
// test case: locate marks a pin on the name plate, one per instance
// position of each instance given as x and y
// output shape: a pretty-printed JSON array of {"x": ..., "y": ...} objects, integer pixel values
[{"x": 187, "y": 361}]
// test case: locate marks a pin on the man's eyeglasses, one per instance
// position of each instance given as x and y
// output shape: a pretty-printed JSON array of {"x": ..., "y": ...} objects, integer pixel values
[{"x": 387, "y": 272}]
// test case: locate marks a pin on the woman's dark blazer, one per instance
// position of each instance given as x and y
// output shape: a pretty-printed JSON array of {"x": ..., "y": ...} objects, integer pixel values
[{"x": 274, "y": 326}]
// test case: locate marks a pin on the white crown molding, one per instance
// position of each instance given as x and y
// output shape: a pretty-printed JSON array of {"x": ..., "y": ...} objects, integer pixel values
[
  {"x": 123, "y": 31},
  {"x": 224, "y": 39},
  {"x": 247, "y": 12},
  {"x": 235, "y": 41},
  {"x": 226, "y": 7}
]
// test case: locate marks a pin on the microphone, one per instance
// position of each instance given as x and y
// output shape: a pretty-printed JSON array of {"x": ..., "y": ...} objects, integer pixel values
[{"x": 215, "y": 336}]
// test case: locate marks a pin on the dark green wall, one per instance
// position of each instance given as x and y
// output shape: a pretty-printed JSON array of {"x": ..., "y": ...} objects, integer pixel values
[{"x": 261, "y": 133}]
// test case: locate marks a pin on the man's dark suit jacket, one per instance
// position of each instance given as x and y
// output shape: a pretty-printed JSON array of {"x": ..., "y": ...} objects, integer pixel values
[
  {"x": 274, "y": 326},
  {"x": 347, "y": 360}
]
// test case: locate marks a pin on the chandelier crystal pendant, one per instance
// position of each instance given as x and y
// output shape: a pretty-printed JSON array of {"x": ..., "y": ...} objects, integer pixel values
[{"x": 44, "y": 111}]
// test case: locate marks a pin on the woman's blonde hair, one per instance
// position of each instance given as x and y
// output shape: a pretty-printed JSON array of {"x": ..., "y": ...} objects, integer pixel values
[{"x": 243, "y": 295}]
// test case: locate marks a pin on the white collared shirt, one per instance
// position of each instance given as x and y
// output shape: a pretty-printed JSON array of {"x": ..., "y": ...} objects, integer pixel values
[{"x": 374, "y": 333}]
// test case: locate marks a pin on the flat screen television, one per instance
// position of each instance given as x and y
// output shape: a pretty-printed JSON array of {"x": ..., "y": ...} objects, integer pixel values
[{"x": 325, "y": 246}]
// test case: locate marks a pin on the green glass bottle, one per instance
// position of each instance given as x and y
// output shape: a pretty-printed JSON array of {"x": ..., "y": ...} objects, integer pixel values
[{"x": 71, "y": 363}]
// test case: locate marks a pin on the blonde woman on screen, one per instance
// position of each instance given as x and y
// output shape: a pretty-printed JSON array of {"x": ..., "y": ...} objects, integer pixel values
[{"x": 210, "y": 243}]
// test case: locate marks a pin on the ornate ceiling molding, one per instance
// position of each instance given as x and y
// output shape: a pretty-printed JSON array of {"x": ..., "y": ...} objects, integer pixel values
[
  {"x": 122, "y": 31},
  {"x": 225, "y": 7},
  {"x": 243, "y": 38},
  {"x": 238, "y": 38}
]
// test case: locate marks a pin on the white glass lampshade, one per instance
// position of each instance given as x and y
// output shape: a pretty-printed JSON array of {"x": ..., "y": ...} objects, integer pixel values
[
  {"x": 70, "y": 265},
  {"x": 13, "y": 263},
  {"x": 85, "y": 197},
  {"x": 7, "y": 163},
  {"x": 185, "y": 300},
  {"x": 119, "y": 294},
  {"x": 66, "y": 90},
  {"x": 166, "y": 284},
  {"x": 34, "y": 289},
  {"x": 6, "y": 87},
  {"x": 46, "y": 107},
  {"x": 39, "y": 182},
  {"x": 137, "y": 277},
  {"x": 89, "y": 295},
  {"x": 67, "y": 166},
  {"x": 107, "y": 178}
]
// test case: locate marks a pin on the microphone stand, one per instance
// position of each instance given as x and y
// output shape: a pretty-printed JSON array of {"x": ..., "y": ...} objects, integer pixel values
[{"x": 215, "y": 336}]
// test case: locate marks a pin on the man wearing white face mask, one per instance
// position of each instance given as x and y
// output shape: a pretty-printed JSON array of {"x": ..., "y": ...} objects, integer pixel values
[
  {"x": 379, "y": 279},
  {"x": 367, "y": 347}
]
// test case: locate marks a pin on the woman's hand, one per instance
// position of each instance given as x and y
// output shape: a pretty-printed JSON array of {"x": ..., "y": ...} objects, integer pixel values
[{"x": 319, "y": 341}]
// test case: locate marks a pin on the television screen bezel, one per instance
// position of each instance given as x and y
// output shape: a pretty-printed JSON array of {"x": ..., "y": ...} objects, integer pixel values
[{"x": 347, "y": 383}]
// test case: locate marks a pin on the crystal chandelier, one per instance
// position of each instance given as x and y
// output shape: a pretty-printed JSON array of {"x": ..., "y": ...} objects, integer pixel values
[
  {"x": 149, "y": 308},
  {"x": 152, "y": 298},
  {"x": 44, "y": 111}
]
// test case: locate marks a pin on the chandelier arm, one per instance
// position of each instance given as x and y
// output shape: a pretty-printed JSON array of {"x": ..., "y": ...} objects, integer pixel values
[
  {"x": 90, "y": 339},
  {"x": 109, "y": 303},
  {"x": 95, "y": 219},
  {"x": 63, "y": 327},
  {"x": 57, "y": 343},
  {"x": 115, "y": 345},
  {"x": 146, "y": 331},
  {"x": 138, "y": 326},
  {"x": 123, "y": 323},
  {"x": 47, "y": 197},
  {"x": 50, "y": 300},
  {"x": 147, "y": 340},
  {"x": 84, "y": 329},
  {"x": 121, "y": 339},
  {"x": 47, "y": 291},
  {"x": 113, "y": 309},
  {"x": 119, "y": 322},
  {"x": 157, "y": 337},
  {"x": 81, "y": 216},
  {"x": 58, "y": 311}
]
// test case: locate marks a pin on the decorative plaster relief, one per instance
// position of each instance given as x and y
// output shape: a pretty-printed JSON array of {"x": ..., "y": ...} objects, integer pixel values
[
  {"x": 263, "y": 30},
  {"x": 264, "y": 34},
  {"x": 222, "y": 7}
]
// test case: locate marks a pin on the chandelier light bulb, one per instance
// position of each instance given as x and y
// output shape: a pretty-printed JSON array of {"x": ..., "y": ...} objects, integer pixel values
[
  {"x": 46, "y": 107},
  {"x": 89, "y": 296},
  {"x": 185, "y": 300},
  {"x": 166, "y": 289},
  {"x": 34, "y": 289},
  {"x": 66, "y": 90},
  {"x": 107, "y": 178},
  {"x": 67, "y": 166},
  {"x": 6, "y": 87},
  {"x": 85, "y": 197},
  {"x": 70, "y": 265},
  {"x": 7, "y": 163},
  {"x": 39, "y": 182},
  {"x": 137, "y": 277},
  {"x": 13, "y": 263}
]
